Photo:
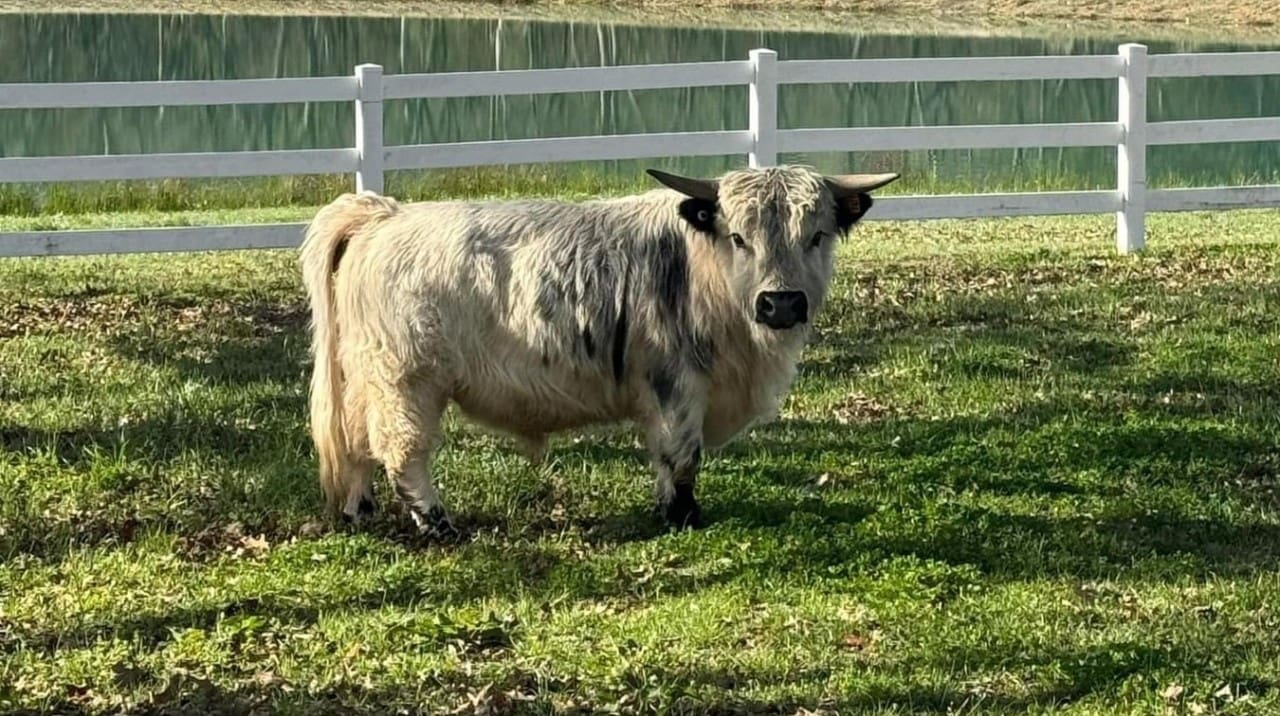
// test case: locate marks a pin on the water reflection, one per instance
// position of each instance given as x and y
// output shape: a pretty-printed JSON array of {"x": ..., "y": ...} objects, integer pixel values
[{"x": 64, "y": 48}]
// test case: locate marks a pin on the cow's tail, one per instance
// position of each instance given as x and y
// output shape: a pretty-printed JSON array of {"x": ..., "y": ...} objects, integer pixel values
[{"x": 322, "y": 249}]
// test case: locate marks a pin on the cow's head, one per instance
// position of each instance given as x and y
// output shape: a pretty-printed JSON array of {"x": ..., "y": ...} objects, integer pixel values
[{"x": 774, "y": 231}]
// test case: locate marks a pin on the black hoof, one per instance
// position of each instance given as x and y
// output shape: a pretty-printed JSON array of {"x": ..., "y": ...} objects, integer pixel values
[
  {"x": 364, "y": 511},
  {"x": 683, "y": 511}
]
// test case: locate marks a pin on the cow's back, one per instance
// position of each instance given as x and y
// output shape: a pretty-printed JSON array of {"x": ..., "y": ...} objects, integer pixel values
[{"x": 522, "y": 306}]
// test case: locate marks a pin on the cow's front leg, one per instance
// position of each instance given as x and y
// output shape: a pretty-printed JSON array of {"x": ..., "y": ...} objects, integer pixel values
[{"x": 675, "y": 444}]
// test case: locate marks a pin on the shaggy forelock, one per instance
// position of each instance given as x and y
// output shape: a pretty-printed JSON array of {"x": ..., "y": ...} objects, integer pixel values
[{"x": 779, "y": 196}]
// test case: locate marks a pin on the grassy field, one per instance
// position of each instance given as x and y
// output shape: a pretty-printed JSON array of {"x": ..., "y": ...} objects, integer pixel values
[{"x": 1018, "y": 474}]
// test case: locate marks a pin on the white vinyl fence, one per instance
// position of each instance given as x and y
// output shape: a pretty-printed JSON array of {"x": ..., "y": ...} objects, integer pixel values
[{"x": 367, "y": 89}]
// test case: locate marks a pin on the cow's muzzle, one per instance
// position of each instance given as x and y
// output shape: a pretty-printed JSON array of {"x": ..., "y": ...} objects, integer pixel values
[{"x": 781, "y": 310}]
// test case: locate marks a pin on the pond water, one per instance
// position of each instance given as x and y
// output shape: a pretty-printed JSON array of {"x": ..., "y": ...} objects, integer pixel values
[{"x": 82, "y": 47}]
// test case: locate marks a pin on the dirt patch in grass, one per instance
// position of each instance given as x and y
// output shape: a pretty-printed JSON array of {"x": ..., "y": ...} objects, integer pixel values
[
  {"x": 859, "y": 408},
  {"x": 108, "y": 314}
]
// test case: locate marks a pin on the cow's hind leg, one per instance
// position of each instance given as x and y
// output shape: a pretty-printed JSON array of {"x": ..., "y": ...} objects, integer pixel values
[
  {"x": 533, "y": 448},
  {"x": 358, "y": 464},
  {"x": 404, "y": 435},
  {"x": 360, "y": 505},
  {"x": 418, "y": 491}
]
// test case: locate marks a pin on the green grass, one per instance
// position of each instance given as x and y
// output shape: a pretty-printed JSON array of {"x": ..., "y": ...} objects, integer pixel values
[
  {"x": 174, "y": 195},
  {"x": 46, "y": 204},
  {"x": 1018, "y": 474}
]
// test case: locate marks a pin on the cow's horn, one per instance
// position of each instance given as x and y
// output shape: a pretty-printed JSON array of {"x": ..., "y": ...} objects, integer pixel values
[
  {"x": 846, "y": 184},
  {"x": 707, "y": 189}
]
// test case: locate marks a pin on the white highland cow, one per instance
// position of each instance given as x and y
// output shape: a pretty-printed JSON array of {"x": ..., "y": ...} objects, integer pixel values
[{"x": 683, "y": 310}]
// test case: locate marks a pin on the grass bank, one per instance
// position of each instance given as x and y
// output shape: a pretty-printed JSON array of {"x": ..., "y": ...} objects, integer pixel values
[
  {"x": 1233, "y": 20},
  {"x": 1018, "y": 474}
]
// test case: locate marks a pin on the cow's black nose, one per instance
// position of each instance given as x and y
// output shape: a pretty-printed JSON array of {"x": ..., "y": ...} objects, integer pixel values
[{"x": 782, "y": 309}]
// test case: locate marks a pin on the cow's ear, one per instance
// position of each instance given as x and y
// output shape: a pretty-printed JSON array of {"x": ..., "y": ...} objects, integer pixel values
[
  {"x": 700, "y": 214},
  {"x": 851, "y": 193},
  {"x": 850, "y": 210}
]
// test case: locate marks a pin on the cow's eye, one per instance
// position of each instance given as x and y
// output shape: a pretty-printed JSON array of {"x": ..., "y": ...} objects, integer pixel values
[
  {"x": 738, "y": 241},
  {"x": 817, "y": 239}
]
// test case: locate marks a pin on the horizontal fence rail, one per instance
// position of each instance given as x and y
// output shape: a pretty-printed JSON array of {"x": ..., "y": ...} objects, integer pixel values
[
  {"x": 179, "y": 166},
  {"x": 158, "y": 240},
  {"x": 368, "y": 160},
  {"x": 949, "y": 69},
  {"x": 1210, "y": 131},
  {"x": 61, "y": 95},
  {"x": 1214, "y": 64},
  {"x": 1201, "y": 198},
  {"x": 963, "y": 206},
  {"x": 528, "y": 151},
  {"x": 987, "y": 136},
  {"x": 577, "y": 79}
]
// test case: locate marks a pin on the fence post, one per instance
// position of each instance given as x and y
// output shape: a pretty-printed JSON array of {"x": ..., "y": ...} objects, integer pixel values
[
  {"x": 1131, "y": 154},
  {"x": 369, "y": 128},
  {"x": 764, "y": 108}
]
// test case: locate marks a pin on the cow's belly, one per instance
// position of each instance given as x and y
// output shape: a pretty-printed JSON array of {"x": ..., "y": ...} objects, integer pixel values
[
  {"x": 720, "y": 427},
  {"x": 527, "y": 416},
  {"x": 535, "y": 403}
]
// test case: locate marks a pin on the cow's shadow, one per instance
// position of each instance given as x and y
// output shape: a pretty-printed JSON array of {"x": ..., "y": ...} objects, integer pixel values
[{"x": 739, "y": 495}]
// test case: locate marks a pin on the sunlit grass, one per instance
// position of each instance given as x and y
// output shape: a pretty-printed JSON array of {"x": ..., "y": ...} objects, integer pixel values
[{"x": 1018, "y": 474}]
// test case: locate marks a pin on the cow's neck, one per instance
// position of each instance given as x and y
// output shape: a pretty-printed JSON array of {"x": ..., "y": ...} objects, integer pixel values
[{"x": 748, "y": 380}]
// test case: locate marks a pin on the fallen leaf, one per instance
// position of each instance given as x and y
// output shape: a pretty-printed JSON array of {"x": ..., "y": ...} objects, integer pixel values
[
  {"x": 256, "y": 545},
  {"x": 269, "y": 678},
  {"x": 314, "y": 528},
  {"x": 854, "y": 642},
  {"x": 1172, "y": 692}
]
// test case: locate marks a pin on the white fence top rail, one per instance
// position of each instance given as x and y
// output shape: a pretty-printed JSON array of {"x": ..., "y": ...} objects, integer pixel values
[
  {"x": 577, "y": 79},
  {"x": 1213, "y": 64},
  {"x": 950, "y": 69},
  {"x": 58, "y": 95},
  {"x": 567, "y": 149},
  {"x": 29, "y": 95}
]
